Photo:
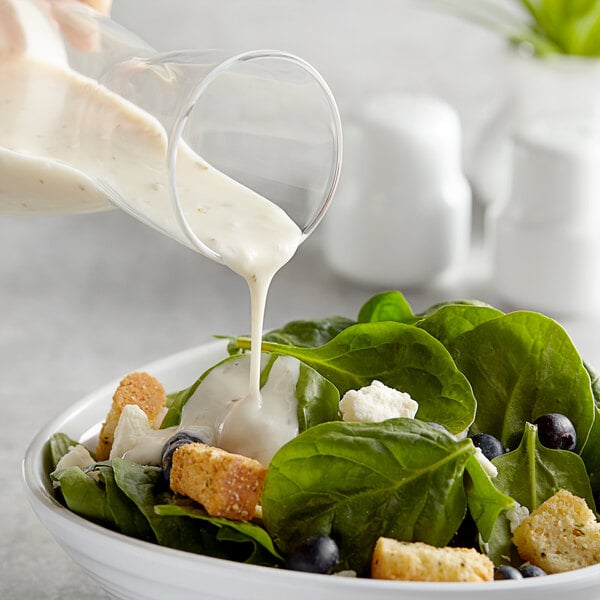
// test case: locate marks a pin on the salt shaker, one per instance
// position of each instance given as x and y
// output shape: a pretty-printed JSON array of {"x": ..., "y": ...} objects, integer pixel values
[
  {"x": 402, "y": 215},
  {"x": 545, "y": 239}
]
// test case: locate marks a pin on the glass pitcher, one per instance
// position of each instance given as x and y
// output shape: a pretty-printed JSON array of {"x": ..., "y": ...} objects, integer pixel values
[{"x": 92, "y": 117}]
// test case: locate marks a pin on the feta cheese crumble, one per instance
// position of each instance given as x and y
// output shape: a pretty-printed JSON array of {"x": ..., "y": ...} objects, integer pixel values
[
  {"x": 377, "y": 402},
  {"x": 77, "y": 456},
  {"x": 516, "y": 515},
  {"x": 136, "y": 440}
]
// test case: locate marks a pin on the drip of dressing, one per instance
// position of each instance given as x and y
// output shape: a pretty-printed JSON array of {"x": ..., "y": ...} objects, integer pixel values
[
  {"x": 207, "y": 414},
  {"x": 44, "y": 155}
]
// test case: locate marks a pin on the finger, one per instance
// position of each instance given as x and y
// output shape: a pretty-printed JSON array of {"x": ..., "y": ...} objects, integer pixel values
[{"x": 102, "y": 6}]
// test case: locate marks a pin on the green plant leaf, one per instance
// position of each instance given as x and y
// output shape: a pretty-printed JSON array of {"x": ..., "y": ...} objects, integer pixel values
[
  {"x": 318, "y": 399},
  {"x": 84, "y": 495},
  {"x": 357, "y": 481},
  {"x": 308, "y": 334},
  {"x": 451, "y": 320},
  {"x": 142, "y": 485},
  {"x": 128, "y": 519},
  {"x": 550, "y": 26},
  {"x": 523, "y": 365},
  {"x": 386, "y": 306},
  {"x": 232, "y": 531},
  {"x": 570, "y": 24},
  {"x": 401, "y": 356},
  {"x": 486, "y": 503},
  {"x": 591, "y": 451},
  {"x": 531, "y": 474}
]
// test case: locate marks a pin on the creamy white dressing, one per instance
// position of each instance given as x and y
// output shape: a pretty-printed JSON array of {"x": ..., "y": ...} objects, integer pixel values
[
  {"x": 220, "y": 401},
  {"x": 47, "y": 164},
  {"x": 218, "y": 414}
]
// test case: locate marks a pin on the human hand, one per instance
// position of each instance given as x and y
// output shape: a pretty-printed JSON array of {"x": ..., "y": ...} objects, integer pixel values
[
  {"x": 79, "y": 33},
  {"x": 102, "y": 6}
]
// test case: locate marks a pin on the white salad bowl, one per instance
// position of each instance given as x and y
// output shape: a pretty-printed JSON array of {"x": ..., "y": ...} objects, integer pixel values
[{"x": 135, "y": 570}]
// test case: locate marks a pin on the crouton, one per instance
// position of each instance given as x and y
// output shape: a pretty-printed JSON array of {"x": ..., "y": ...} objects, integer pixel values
[
  {"x": 561, "y": 534},
  {"x": 416, "y": 561},
  {"x": 227, "y": 485},
  {"x": 137, "y": 388}
]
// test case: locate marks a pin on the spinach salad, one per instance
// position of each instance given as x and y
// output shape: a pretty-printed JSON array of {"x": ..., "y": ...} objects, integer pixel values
[{"x": 471, "y": 368}]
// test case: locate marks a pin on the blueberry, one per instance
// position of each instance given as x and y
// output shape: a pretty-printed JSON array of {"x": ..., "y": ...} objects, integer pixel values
[
  {"x": 556, "y": 431},
  {"x": 506, "y": 572},
  {"x": 179, "y": 439},
  {"x": 467, "y": 535},
  {"x": 528, "y": 570},
  {"x": 488, "y": 444},
  {"x": 315, "y": 554}
]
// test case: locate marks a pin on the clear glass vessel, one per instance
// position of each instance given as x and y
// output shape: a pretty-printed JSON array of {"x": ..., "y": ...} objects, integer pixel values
[{"x": 93, "y": 117}]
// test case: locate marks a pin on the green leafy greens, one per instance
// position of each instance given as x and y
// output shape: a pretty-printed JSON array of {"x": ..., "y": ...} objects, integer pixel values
[
  {"x": 521, "y": 366},
  {"x": 468, "y": 365},
  {"x": 531, "y": 474},
  {"x": 399, "y": 355},
  {"x": 358, "y": 481},
  {"x": 569, "y": 27}
]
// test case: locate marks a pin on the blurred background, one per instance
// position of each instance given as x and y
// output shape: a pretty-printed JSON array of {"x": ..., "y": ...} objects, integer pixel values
[{"x": 88, "y": 298}]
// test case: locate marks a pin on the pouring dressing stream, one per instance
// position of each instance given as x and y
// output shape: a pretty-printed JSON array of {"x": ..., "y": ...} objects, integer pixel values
[{"x": 137, "y": 134}]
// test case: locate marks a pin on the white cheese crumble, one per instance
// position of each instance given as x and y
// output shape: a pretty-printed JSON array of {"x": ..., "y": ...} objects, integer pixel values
[
  {"x": 488, "y": 466},
  {"x": 516, "y": 515},
  {"x": 377, "y": 402},
  {"x": 132, "y": 428},
  {"x": 136, "y": 440},
  {"x": 77, "y": 456}
]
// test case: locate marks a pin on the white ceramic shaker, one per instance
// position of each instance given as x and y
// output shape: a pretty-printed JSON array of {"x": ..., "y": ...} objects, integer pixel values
[
  {"x": 545, "y": 239},
  {"x": 402, "y": 215}
]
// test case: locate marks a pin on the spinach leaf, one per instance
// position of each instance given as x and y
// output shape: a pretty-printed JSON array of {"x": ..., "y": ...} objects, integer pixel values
[
  {"x": 308, "y": 334},
  {"x": 232, "y": 531},
  {"x": 302, "y": 333},
  {"x": 318, "y": 399},
  {"x": 523, "y": 365},
  {"x": 451, "y": 320},
  {"x": 500, "y": 547},
  {"x": 591, "y": 451},
  {"x": 126, "y": 515},
  {"x": 531, "y": 474},
  {"x": 60, "y": 443},
  {"x": 84, "y": 495},
  {"x": 142, "y": 485},
  {"x": 357, "y": 481},
  {"x": 386, "y": 306},
  {"x": 400, "y": 356},
  {"x": 466, "y": 303},
  {"x": 485, "y": 501}
]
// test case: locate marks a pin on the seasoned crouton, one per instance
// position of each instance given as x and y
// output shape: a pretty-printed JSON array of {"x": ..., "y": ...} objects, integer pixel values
[
  {"x": 561, "y": 534},
  {"x": 137, "y": 388},
  {"x": 227, "y": 485},
  {"x": 416, "y": 561}
]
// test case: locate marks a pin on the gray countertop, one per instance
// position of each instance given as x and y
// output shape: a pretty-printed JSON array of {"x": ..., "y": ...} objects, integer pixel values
[{"x": 86, "y": 299}]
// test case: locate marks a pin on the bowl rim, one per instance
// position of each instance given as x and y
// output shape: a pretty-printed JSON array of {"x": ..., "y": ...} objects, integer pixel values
[{"x": 37, "y": 486}]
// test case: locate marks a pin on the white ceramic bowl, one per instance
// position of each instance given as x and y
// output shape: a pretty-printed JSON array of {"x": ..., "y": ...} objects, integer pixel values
[{"x": 135, "y": 570}]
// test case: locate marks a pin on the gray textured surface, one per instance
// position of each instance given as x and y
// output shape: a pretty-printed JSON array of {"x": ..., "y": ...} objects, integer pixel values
[{"x": 86, "y": 299}]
